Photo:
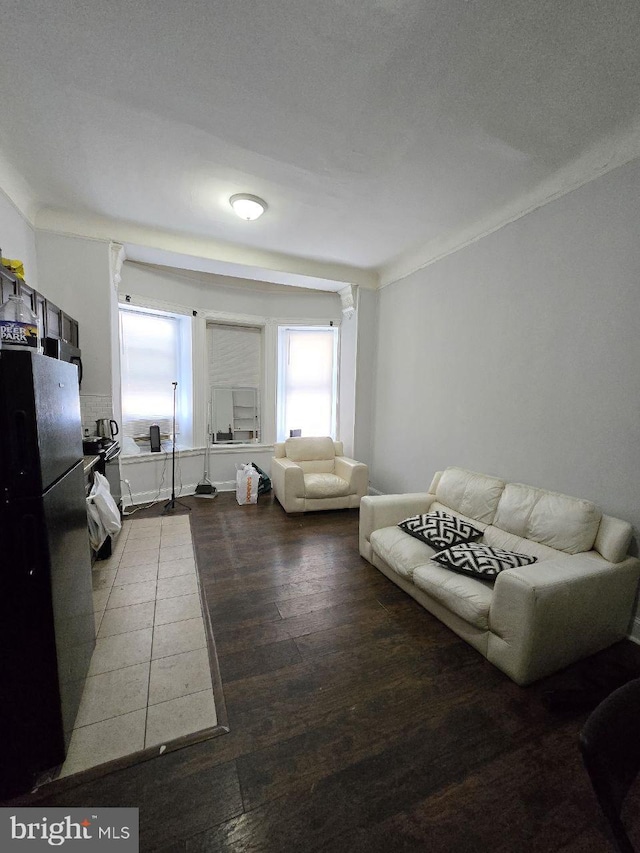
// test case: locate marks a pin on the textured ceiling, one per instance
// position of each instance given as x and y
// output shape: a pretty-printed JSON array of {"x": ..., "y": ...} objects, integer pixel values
[{"x": 371, "y": 127}]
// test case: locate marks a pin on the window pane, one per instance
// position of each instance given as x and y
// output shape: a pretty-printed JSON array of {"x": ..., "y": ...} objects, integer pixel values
[
  {"x": 307, "y": 382},
  {"x": 149, "y": 367},
  {"x": 235, "y": 371}
]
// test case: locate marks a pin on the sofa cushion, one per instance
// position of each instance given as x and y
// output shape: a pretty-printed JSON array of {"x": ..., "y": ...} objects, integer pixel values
[
  {"x": 468, "y": 598},
  {"x": 325, "y": 486},
  {"x": 559, "y": 521},
  {"x": 436, "y": 506},
  {"x": 481, "y": 561},
  {"x": 439, "y": 529},
  {"x": 494, "y": 537},
  {"x": 401, "y": 552},
  {"x": 471, "y": 494},
  {"x": 309, "y": 449}
]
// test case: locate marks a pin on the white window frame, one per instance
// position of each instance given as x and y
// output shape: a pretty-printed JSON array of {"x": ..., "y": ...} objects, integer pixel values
[
  {"x": 282, "y": 357},
  {"x": 240, "y": 386},
  {"x": 184, "y": 373}
]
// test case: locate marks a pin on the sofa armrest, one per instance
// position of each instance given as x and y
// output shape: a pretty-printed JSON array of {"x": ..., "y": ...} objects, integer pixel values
[
  {"x": 378, "y": 511},
  {"x": 549, "y": 614},
  {"x": 355, "y": 473},
  {"x": 288, "y": 481}
]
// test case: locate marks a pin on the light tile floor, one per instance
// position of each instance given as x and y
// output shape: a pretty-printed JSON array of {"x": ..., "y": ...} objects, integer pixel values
[{"x": 150, "y": 679}]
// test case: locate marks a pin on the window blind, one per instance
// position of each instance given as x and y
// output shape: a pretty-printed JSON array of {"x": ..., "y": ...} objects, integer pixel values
[
  {"x": 234, "y": 356},
  {"x": 308, "y": 382},
  {"x": 149, "y": 365}
]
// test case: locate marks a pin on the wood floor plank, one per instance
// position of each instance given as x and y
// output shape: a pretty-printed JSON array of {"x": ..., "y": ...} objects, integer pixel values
[
  {"x": 364, "y": 792},
  {"x": 358, "y": 722},
  {"x": 526, "y": 798},
  {"x": 230, "y": 639},
  {"x": 175, "y": 793},
  {"x": 265, "y": 659}
]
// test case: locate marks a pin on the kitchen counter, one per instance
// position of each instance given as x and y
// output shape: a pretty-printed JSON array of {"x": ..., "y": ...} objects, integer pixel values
[{"x": 89, "y": 463}]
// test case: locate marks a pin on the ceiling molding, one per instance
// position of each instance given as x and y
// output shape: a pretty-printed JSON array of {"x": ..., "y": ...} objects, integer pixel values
[
  {"x": 608, "y": 155},
  {"x": 117, "y": 257},
  {"x": 18, "y": 191},
  {"x": 229, "y": 258},
  {"x": 233, "y": 283},
  {"x": 349, "y": 300},
  {"x": 167, "y": 248}
]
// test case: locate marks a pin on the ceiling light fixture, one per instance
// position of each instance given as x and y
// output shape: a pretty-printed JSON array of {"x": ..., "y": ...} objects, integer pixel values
[{"x": 247, "y": 206}]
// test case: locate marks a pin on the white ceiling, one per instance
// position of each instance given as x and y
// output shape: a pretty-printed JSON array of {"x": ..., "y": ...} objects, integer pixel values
[{"x": 371, "y": 127}]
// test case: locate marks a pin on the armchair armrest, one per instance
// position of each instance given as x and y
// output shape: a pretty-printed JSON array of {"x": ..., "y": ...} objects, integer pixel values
[
  {"x": 546, "y": 615},
  {"x": 355, "y": 473},
  {"x": 288, "y": 482},
  {"x": 378, "y": 511}
]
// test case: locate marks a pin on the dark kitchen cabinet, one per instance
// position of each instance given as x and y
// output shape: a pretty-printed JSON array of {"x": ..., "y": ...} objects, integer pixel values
[
  {"x": 8, "y": 283},
  {"x": 41, "y": 311},
  {"x": 54, "y": 323},
  {"x": 69, "y": 329},
  {"x": 37, "y": 303},
  {"x": 28, "y": 295}
]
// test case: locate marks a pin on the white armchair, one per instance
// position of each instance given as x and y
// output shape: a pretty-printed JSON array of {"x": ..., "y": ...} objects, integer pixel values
[{"x": 312, "y": 473}]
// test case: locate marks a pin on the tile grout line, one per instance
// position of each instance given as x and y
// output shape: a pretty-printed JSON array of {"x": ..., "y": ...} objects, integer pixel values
[
  {"x": 104, "y": 610},
  {"x": 153, "y": 633},
  {"x": 126, "y": 536},
  {"x": 115, "y": 561}
]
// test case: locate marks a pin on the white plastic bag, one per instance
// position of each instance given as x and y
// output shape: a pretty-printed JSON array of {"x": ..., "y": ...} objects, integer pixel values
[
  {"x": 102, "y": 512},
  {"x": 97, "y": 533},
  {"x": 247, "y": 482}
]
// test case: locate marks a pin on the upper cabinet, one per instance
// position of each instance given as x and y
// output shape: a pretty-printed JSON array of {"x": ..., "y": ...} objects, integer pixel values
[
  {"x": 54, "y": 323},
  {"x": 8, "y": 283}
]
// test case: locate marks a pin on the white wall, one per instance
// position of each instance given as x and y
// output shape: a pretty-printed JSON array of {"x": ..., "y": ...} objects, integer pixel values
[
  {"x": 17, "y": 239},
  {"x": 75, "y": 275},
  {"x": 150, "y": 476},
  {"x": 347, "y": 391},
  {"x": 229, "y": 295},
  {"x": 365, "y": 375},
  {"x": 520, "y": 355}
]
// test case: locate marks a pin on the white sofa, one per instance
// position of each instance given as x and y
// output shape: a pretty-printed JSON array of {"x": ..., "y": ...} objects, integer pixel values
[
  {"x": 309, "y": 473},
  {"x": 576, "y": 600}
]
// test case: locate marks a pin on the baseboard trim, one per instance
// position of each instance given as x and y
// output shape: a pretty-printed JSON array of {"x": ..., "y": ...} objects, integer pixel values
[
  {"x": 634, "y": 636},
  {"x": 153, "y": 497},
  {"x": 165, "y": 493}
]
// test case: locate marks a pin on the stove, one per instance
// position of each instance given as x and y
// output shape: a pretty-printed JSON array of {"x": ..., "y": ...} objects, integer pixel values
[
  {"x": 98, "y": 446},
  {"x": 110, "y": 449}
]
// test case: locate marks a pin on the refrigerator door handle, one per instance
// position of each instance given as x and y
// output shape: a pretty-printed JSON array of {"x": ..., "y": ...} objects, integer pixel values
[{"x": 78, "y": 362}]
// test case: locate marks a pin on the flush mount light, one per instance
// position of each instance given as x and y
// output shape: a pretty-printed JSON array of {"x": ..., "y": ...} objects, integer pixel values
[{"x": 248, "y": 206}]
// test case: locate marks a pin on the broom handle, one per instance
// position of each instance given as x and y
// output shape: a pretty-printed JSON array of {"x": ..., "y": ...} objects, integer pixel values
[{"x": 206, "y": 456}]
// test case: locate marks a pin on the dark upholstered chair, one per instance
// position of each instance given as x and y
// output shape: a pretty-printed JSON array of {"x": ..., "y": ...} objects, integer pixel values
[{"x": 610, "y": 746}]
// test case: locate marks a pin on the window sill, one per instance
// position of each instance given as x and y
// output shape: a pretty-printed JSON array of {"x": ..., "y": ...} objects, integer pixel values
[
  {"x": 147, "y": 456},
  {"x": 233, "y": 448}
]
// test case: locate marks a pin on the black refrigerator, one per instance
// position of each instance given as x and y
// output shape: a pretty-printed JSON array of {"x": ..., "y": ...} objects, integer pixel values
[{"x": 47, "y": 629}]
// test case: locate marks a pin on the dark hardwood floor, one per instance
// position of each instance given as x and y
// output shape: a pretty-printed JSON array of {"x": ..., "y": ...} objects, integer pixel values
[{"x": 358, "y": 722}]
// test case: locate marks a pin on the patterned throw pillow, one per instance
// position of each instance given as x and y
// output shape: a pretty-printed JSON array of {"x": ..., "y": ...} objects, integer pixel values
[
  {"x": 439, "y": 529},
  {"x": 481, "y": 561}
]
